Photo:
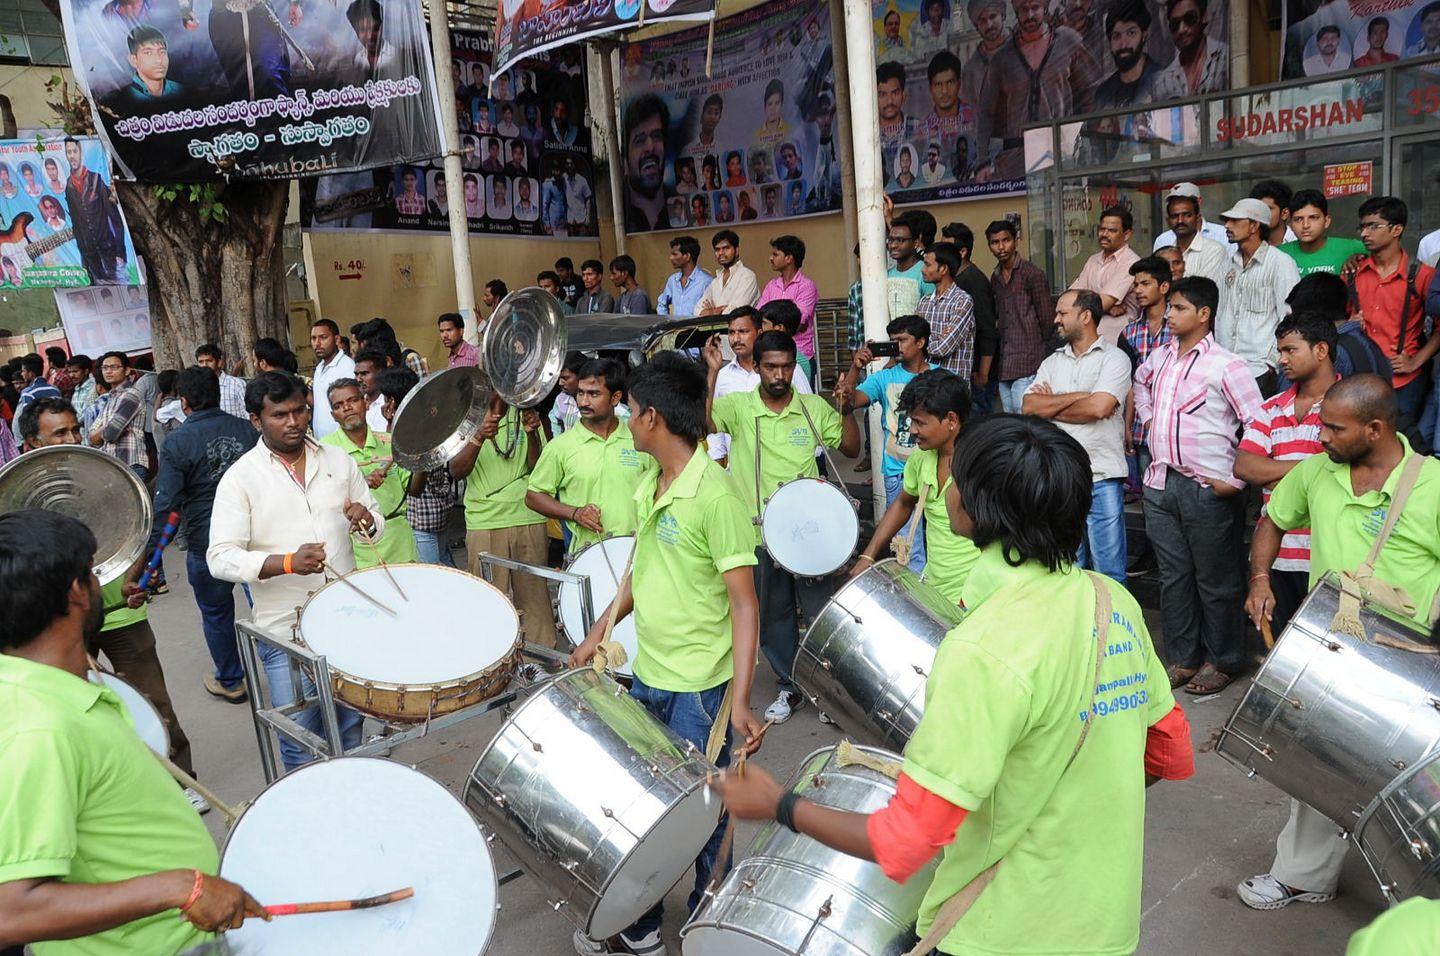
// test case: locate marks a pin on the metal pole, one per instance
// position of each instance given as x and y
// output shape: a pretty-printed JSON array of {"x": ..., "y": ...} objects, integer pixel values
[
  {"x": 841, "y": 57},
  {"x": 454, "y": 174},
  {"x": 1240, "y": 44},
  {"x": 869, "y": 198},
  {"x": 608, "y": 128}
]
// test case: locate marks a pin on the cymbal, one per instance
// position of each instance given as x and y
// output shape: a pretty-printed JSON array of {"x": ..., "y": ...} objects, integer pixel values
[
  {"x": 438, "y": 417},
  {"x": 523, "y": 350}
]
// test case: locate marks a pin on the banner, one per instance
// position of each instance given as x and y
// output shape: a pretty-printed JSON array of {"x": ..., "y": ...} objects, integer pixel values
[
  {"x": 755, "y": 140},
  {"x": 1339, "y": 35},
  {"x": 527, "y": 27},
  {"x": 255, "y": 89},
  {"x": 60, "y": 224},
  {"x": 103, "y": 320},
  {"x": 958, "y": 83},
  {"x": 528, "y": 170}
]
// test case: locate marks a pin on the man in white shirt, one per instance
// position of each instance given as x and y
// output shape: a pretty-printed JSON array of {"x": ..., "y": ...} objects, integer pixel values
[
  {"x": 283, "y": 514},
  {"x": 1203, "y": 256},
  {"x": 1082, "y": 388},
  {"x": 734, "y": 284},
  {"x": 330, "y": 364},
  {"x": 1429, "y": 251},
  {"x": 369, "y": 362},
  {"x": 1252, "y": 297},
  {"x": 740, "y": 373},
  {"x": 1210, "y": 230}
]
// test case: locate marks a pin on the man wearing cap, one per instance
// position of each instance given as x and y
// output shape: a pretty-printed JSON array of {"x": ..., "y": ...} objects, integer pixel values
[
  {"x": 1210, "y": 230},
  {"x": 1252, "y": 297},
  {"x": 1203, "y": 255}
]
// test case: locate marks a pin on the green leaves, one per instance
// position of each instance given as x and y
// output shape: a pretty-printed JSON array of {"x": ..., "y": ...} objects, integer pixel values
[{"x": 204, "y": 196}]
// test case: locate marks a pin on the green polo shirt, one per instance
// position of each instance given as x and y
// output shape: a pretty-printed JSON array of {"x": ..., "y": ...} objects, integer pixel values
[
  {"x": 948, "y": 556},
  {"x": 787, "y": 445},
  {"x": 83, "y": 800},
  {"x": 117, "y": 613},
  {"x": 1410, "y": 929},
  {"x": 580, "y": 468},
  {"x": 1003, "y": 709},
  {"x": 1317, "y": 494},
  {"x": 495, "y": 489},
  {"x": 686, "y": 540},
  {"x": 397, "y": 542}
]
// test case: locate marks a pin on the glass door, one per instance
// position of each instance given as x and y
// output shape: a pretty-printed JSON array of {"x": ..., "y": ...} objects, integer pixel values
[{"x": 1415, "y": 178}]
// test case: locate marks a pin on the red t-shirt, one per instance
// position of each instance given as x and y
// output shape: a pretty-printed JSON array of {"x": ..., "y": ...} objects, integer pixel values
[{"x": 1381, "y": 301}]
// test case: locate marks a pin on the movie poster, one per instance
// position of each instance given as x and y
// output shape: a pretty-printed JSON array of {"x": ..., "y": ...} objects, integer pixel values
[
  {"x": 527, "y": 27},
  {"x": 189, "y": 90},
  {"x": 756, "y": 140},
  {"x": 60, "y": 223},
  {"x": 958, "y": 83},
  {"x": 526, "y": 157},
  {"x": 1339, "y": 35},
  {"x": 103, "y": 320}
]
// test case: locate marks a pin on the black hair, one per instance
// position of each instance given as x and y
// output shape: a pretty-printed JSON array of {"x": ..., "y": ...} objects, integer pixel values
[
  {"x": 1313, "y": 327},
  {"x": 1320, "y": 292},
  {"x": 1371, "y": 397},
  {"x": 1275, "y": 190},
  {"x": 1388, "y": 208},
  {"x": 642, "y": 108},
  {"x": 961, "y": 235},
  {"x": 911, "y": 325},
  {"x": 946, "y": 256},
  {"x": 675, "y": 387},
  {"x": 29, "y": 417},
  {"x": 1377, "y": 22},
  {"x": 792, "y": 246},
  {"x": 687, "y": 246},
  {"x": 165, "y": 381},
  {"x": 595, "y": 265},
  {"x": 1087, "y": 301},
  {"x": 942, "y": 61},
  {"x": 364, "y": 10},
  {"x": 890, "y": 70},
  {"x": 782, "y": 312},
  {"x": 208, "y": 350},
  {"x": 999, "y": 226},
  {"x": 272, "y": 353},
  {"x": 574, "y": 362},
  {"x": 454, "y": 318},
  {"x": 714, "y": 99},
  {"x": 565, "y": 262},
  {"x": 497, "y": 288},
  {"x": 936, "y": 392},
  {"x": 374, "y": 355},
  {"x": 142, "y": 34},
  {"x": 745, "y": 312},
  {"x": 42, "y": 553},
  {"x": 1199, "y": 291},
  {"x": 55, "y": 355},
  {"x": 1127, "y": 221},
  {"x": 199, "y": 387},
  {"x": 395, "y": 383},
  {"x": 327, "y": 323},
  {"x": 548, "y": 274},
  {"x": 1153, "y": 266},
  {"x": 276, "y": 387},
  {"x": 625, "y": 264},
  {"x": 771, "y": 88},
  {"x": 1127, "y": 11},
  {"x": 1309, "y": 197},
  {"x": 606, "y": 369},
  {"x": 1026, "y": 484},
  {"x": 773, "y": 341},
  {"x": 82, "y": 361},
  {"x": 1332, "y": 28},
  {"x": 33, "y": 364},
  {"x": 725, "y": 235},
  {"x": 124, "y": 359},
  {"x": 922, "y": 225}
]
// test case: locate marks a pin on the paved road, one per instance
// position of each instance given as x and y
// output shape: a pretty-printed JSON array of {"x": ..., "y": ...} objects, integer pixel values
[{"x": 1201, "y": 836}]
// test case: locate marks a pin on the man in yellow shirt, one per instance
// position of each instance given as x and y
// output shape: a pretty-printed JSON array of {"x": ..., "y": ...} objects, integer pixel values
[{"x": 370, "y": 450}]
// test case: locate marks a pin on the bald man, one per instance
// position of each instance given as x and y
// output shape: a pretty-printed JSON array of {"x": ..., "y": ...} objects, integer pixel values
[{"x": 1344, "y": 497}]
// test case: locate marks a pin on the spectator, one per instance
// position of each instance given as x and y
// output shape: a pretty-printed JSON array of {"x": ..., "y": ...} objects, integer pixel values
[
  {"x": 120, "y": 429},
  {"x": 452, "y": 336},
  {"x": 734, "y": 285},
  {"x": 904, "y": 281},
  {"x": 33, "y": 386},
  {"x": 1257, "y": 282},
  {"x": 232, "y": 389},
  {"x": 1202, "y": 255},
  {"x": 1024, "y": 307},
  {"x": 1355, "y": 352},
  {"x": 950, "y": 311},
  {"x": 594, "y": 299},
  {"x": 331, "y": 364},
  {"x": 1210, "y": 230},
  {"x": 685, "y": 287},
  {"x": 271, "y": 356},
  {"x": 1277, "y": 196},
  {"x": 1142, "y": 337},
  {"x": 550, "y": 282},
  {"x": 976, "y": 285},
  {"x": 633, "y": 299},
  {"x": 1314, "y": 249},
  {"x": 82, "y": 373},
  {"x": 787, "y": 256},
  {"x": 782, "y": 315},
  {"x": 1171, "y": 254},
  {"x": 494, "y": 291},
  {"x": 58, "y": 374},
  {"x": 1107, "y": 272},
  {"x": 569, "y": 281}
]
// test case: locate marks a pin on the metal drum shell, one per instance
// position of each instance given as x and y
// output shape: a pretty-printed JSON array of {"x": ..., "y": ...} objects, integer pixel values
[
  {"x": 1399, "y": 833},
  {"x": 417, "y": 442},
  {"x": 865, "y": 659},
  {"x": 572, "y": 842},
  {"x": 770, "y": 901},
  {"x": 1330, "y": 719}
]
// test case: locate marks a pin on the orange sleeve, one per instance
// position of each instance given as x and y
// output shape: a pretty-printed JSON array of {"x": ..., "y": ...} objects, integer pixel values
[
  {"x": 1169, "y": 754},
  {"x": 911, "y": 829}
]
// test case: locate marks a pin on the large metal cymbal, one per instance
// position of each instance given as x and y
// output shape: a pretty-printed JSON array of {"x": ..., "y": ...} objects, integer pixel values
[
  {"x": 438, "y": 417},
  {"x": 524, "y": 346}
]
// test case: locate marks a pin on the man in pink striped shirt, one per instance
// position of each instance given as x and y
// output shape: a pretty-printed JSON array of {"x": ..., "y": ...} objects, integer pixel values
[
  {"x": 1287, "y": 432},
  {"x": 1194, "y": 395},
  {"x": 787, "y": 255}
]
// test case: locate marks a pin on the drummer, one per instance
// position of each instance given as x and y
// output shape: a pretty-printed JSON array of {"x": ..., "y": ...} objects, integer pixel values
[
  {"x": 740, "y": 373},
  {"x": 587, "y": 476},
  {"x": 98, "y": 847},
  {"x": 937, "y": 403},
  {"x": 371, "y": 452},
  {"x": 1001, "y": 777},
  {"x": 787, "y": 451},
  {"x": 692, "y": 593},
  {"x": 1344, "y": 497}
]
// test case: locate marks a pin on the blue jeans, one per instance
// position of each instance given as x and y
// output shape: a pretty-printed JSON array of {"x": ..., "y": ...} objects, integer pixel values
[
  {"x": 893, "y": 486},
  {"x": 277, "y": 673},
  {"x": 1103, "y": 549},
  {"x": 432, "y": 549},
  {"x": 1012, "y": 393},
  {"x": 216, "y": 600},
  {"x": 983, "y": 401},
  {"x": 690, "y": 715}
]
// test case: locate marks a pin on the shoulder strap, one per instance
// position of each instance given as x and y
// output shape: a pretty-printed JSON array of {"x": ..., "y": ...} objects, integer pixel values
[
  {"x": 1405, "y": 307},
  {"x": 1409, "y": 474},
  {"x": 1356, "y": 585}
]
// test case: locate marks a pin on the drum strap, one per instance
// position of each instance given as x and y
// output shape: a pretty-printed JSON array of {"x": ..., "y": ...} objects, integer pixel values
[
  {"x": 953, "y": 910},
  {"x": 1361, "y": 583},
  {"x": 904, "y": 547}
]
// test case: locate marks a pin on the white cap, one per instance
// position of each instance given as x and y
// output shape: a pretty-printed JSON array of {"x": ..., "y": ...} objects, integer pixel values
[
  {"x": 1183, "y": 191},
  {"x": 1248, "y": 209}
]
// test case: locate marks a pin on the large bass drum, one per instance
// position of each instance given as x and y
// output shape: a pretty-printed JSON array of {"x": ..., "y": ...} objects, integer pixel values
[
  {"x": 597, "y": 799},
  {"x": 604, "y": 564},
  {"x": 792, "y": 896},
  {"x": 1330, "y": 719},
  {"x": 809, "y": 527},
  {"x": 866, "y": 658},
  {"x": 1399, "y": 833}
]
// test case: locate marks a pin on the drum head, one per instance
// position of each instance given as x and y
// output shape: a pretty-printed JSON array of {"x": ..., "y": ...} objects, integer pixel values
[
  {"x": 354, "y": 827},
  {"x": 604, "y": 562},
  {"x": 144, "y": 715},
  {"x": 810, "y": 527},
  {"x": 452, "y": 625}
]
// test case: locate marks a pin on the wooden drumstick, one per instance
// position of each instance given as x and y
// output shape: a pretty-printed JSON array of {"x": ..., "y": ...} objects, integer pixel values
[
  {"x": 356, "y": 588},
  {"x": 335, "y": 906},
  {"x": 1266, "y": 633},
  {"x": 370, "y": 540}
]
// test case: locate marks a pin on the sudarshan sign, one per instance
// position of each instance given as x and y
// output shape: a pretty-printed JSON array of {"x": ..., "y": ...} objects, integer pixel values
[{"x": 1297, "y": 119}]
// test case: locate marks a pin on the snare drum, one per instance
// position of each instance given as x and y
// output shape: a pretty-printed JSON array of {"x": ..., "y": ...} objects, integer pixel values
[
  {"x": 603, "y": 563},
  {"x": 597, "y": 799},
  {"x": 866, "y": 658},
  {"x": 809, "y": 527},
  {"x": 454, "y": 640},
  {"x": 1399, "y": 833},
  {"x": 353, "y": 827},
  {"x": 148, "y": 723},
  {"x": 792, "y": 896},
  {"x": 1330, "y": 719}
]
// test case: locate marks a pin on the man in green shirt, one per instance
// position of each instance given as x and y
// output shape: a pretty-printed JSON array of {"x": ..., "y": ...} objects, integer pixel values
[
  {"x": 371, "y": 453},
  {"x": 937, "y": 403},
  {"x": 691, "y": 590},
  {"x": 98, "y": 847},
  {"x": 496, "y": 464},
  {"x": 788, "y": 439},
  {"x": 1314, "y": 250},
  {"x": 587, "y": 476},
  {"x": 1042, "y": 737},
  {"x": 1344, "y": 497}
]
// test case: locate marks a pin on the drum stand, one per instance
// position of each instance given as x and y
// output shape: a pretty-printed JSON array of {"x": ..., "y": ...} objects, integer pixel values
[{"x": 488, "y": 563}]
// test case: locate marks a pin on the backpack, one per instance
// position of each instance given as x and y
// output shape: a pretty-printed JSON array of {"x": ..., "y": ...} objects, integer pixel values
[{"x": 1410, "y": 292}]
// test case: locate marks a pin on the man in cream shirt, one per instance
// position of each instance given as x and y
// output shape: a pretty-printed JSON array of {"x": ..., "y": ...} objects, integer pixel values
[{"x": 734, "y": 284}]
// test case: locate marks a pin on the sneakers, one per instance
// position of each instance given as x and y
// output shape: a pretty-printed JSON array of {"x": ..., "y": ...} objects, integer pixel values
[
  {"x": 785, "y": 704},
  {"x": 235, "y": 695},
  {"x": 651, "y": 945},
  {"x": 826, "y": 719},
  {"x": 201, "y": 805},
  {"x": 1264, "y": 892}
]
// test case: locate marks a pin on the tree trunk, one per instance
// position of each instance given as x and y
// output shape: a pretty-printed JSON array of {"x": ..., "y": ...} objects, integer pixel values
[{"x": 210, "y": 281}]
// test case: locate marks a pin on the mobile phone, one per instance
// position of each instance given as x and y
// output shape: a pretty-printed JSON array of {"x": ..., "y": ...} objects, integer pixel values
[{"x": 885, "y": 349}]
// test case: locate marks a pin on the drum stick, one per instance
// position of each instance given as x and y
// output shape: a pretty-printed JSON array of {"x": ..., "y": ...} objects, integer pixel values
[
  {"x": 335, "y": 906},
  {"x": 356, "y": 588},
  {"x": 370, "y": 540},
  {"x": 228, "y": 812},
  {"x": 615, "y": 604},
  {"x": 1267, "y": 634},
  {"x": 167, "y": 534}
]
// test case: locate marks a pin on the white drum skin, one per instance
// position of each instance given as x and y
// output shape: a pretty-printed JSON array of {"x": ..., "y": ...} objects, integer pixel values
[
  {"x": 604, "y": 563},
  {"x": 809, "y": 527},
  {"x": 147, "y": 720}
]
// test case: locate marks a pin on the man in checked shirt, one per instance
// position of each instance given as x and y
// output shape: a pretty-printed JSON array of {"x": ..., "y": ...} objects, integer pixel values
[{"x": 1194, "y": 396}]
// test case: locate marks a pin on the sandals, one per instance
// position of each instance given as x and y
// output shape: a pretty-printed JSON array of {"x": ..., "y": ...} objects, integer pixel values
[
  {"x": 1208, "y": 681},
  {"x": 1180, "y": 675}
]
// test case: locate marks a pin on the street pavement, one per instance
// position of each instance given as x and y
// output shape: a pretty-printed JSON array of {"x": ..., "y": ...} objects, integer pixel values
[{"x": 1202, "y": 835}]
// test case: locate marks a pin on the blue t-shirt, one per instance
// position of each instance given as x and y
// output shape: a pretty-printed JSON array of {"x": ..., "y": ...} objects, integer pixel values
[
  {"x": 884, "y": 388},
  {"x": 904, "y": 290}
]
